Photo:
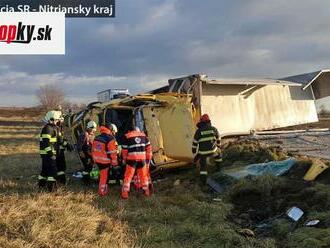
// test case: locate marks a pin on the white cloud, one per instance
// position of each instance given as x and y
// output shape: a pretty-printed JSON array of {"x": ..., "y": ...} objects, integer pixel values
[{"x": 156, "y": 19}]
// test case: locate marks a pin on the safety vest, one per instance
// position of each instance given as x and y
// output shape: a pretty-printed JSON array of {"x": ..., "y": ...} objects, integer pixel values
[
  {"x": 136, "y": 147},
  {"x": 48, "y": 140},
  {"x": 206, "y": 139},
  {"x": 104, "y": 149}
]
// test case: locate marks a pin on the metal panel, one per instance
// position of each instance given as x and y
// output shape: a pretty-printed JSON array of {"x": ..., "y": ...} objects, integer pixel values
[
  {"x": 155, "y": 135},
  {"x": 177, "y": 128},
  {"x": 237, "y": 108}
]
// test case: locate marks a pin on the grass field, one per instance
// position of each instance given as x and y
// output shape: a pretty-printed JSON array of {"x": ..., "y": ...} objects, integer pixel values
[{"x": 177, "y": 215}]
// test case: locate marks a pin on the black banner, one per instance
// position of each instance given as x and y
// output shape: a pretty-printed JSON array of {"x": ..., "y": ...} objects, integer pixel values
[{"x": 72, "y": 8}]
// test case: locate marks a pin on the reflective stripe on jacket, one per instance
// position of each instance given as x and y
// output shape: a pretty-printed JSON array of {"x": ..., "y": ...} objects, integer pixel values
[
  {"x": 48, "y": 140},
  {"x": 136, "y": 147},
  {"x": 104, "y": 149},
  {"x": 206, "y": 139}
]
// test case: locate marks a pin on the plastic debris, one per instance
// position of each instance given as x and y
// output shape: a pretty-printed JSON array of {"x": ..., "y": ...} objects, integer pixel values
[
  {"x": 312, "y": 223},
  {"x": 295, "y": 213},
  {"x": 275, "y": 168},
  {"x": 214, "y": 185},
  {"x": 77, "y": 174},
  {"x": 316, "y": 169}
]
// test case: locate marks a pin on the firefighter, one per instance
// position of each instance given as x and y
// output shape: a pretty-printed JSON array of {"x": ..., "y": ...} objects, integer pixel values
[
  {"x": 63, "y": 145},
  {"x": 137, "y": 154},
  {"x": 206, "y": 144},
  {"x": 48, "y": 147},
  {"x": 84, "y": 147},
  {"x": 104, "y": 153}
]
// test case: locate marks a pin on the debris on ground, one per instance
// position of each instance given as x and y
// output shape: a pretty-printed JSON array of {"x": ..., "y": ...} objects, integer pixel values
[
  {"x": 214, "y": 185},
  {"x": 250, "y": 152},
  {"x": 314, "y": 144},
  {"x": 295, "y": 213},
  {"x": 312, "y": 223},
  {"x": 177, "y": 182},
  {"x": 246, "y": 232},
  {"x": 316, "y": 169},
  {"x": 264, "y": 184},
  {"x": 275, "y": 168}
]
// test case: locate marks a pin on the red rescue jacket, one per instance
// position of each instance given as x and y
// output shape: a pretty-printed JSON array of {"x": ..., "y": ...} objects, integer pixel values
[
  {"x": 104, "y": 148},
  {"x": 136, "y": 147}
]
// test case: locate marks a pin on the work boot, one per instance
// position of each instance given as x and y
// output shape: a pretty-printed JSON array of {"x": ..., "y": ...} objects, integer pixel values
[
  {"x": 86, "y": 179},
  {"x": 51, "y": 186},
  {"x": 146, "y": 192},
  {"x": 42, "y": 183},
  {"x": 61, "y": 179},
  {"x": 124, "y": 195},
  {"x": 103, "y": 190}
]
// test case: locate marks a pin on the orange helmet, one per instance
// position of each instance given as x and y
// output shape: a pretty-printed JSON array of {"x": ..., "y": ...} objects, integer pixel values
[{"x": 205, "y": 118}]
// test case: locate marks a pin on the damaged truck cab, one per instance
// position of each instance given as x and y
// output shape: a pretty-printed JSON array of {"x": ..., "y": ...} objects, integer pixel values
[{"x": 167, "y": 119}]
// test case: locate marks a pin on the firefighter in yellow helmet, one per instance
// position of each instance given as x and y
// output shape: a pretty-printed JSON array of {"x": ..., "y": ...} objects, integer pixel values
[{"x": 48, "y": 148}]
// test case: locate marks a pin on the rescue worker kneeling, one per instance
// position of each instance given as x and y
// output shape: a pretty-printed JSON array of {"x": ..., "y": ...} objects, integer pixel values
[
  {"x": 207, "y": 140},
  {"x": 104, "y": 152},
  {"x": 137, "y": 154},
  {"x": 48, "y": 147}
]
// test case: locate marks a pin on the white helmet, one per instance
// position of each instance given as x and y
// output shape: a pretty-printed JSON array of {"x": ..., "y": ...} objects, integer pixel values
[
  {"x": 114, "y": 129},
  {"x": 53, "y": 115},
  {"x": 92, "y": 125}
]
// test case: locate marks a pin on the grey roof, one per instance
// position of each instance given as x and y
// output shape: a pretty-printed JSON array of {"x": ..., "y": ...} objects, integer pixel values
[
  {"x": 302, "y": 78},
  {"x": 306, "y": 79}
]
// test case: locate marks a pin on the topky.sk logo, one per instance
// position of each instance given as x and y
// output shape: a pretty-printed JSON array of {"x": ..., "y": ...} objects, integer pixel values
[
  {"x": 32, "y": 33},
  {"x": 21, "y": 33}
]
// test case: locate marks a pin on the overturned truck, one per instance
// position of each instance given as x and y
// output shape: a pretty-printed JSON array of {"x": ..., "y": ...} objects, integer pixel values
[{"x": 169, "y": 114}]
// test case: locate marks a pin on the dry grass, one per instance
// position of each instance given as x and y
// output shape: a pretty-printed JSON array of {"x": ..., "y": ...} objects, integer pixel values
[
  {"x": 61, "y": 219},
  {"x": 175, "y": 216}
]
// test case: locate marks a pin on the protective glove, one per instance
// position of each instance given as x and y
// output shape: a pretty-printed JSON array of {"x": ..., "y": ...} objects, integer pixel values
[
  {"x": 82, "y": 154},
  {"x": 53, "y": 157}
]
